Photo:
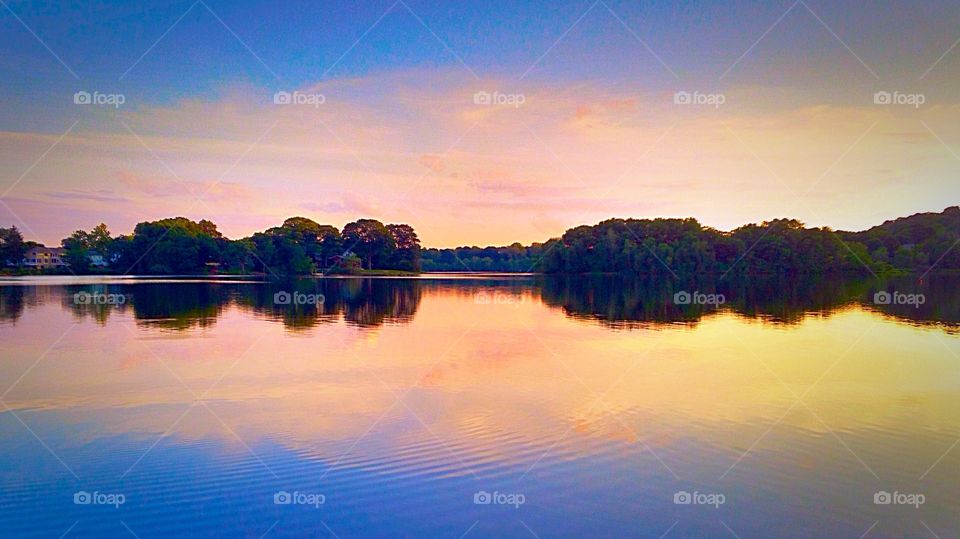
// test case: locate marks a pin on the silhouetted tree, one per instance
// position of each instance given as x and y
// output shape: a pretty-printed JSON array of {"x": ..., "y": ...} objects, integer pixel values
[
  {"x": 371, "y": 241},
  {"x": 12, "y": 247}
]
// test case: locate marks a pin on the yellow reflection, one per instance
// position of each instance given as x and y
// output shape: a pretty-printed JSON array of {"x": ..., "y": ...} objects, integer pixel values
[{"x": 494, "y": 379}]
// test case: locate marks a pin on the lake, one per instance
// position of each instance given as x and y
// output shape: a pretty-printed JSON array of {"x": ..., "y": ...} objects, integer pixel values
[{"x": 469, "y": 406}]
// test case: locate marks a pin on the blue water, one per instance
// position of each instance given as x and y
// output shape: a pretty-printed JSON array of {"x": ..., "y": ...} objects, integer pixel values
[{"x": 400, "y": 405}]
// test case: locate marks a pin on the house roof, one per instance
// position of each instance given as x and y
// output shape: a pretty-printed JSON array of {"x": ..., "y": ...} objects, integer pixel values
[{"x": 41, "y": 248}]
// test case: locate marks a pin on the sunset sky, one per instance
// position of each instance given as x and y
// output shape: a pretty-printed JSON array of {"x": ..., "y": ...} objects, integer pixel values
[{"x": 399, "y": 136}]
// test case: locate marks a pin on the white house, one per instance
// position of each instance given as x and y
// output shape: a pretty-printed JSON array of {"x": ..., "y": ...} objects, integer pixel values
[
  {"x": 96, "y": 259},
  {"x": 41, "y": 257}
]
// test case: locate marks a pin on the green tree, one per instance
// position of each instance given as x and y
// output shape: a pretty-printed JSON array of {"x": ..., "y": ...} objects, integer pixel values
[
  {"x": 81, "y": 244},
  {"x": 172, "y": 246},
  {"x": 77, "y": 246},
  {"x": 239, "y": 255},
  {"x": 406, "y": 256},
  {"x": 99, "y": 238},
  {"x": 371, "y": 241},
  {"x": 12, "y": 247},
  {"x": 320, "y": 242},
  {"x": 903, "y": 257},
  {"x": 278, "y": 253}
]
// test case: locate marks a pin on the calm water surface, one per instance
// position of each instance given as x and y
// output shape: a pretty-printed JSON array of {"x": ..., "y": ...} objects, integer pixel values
[{"x": 584, "y": 407}]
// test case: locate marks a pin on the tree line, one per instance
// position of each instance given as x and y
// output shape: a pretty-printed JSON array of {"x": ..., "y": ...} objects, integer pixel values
[
  {"x": 685, "y": 247},
  {"x": 629, "y": 246},
  {"x": 514, "y": 258},
  {"x": 180, "y": 246}
]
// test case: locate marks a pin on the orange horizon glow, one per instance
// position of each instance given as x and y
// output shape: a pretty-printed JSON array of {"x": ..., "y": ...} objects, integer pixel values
[{"x": 463, "y": 174}]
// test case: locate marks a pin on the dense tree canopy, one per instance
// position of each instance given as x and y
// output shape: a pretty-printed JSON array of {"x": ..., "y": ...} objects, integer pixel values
[
  {"x": 633, "y": 246},
  {"x": 81, "y": 244},
  {"x": 406, "y": 255},
  {"x": 371, "y": 241},
  {"x": 176, "y": 246},
  {"x": 514, "y": 258},
  {"x": 179, "y": 245},
  {"x": 915, "y": 242},
  {"x": 684, "y": 246},
  {"x": 321, "y": 243}
]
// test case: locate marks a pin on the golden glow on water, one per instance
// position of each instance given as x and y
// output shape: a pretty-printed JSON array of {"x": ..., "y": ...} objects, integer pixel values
[
  {"x": 599, "y": 402},
  {"x": 474, "y": 370}
]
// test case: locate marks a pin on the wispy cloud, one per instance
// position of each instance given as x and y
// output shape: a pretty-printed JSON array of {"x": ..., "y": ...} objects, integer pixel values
[{"x": 417, "y": 146}]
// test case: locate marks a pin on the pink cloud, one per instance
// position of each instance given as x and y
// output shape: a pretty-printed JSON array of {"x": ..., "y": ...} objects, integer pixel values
[{"x": 413, "y": 145}]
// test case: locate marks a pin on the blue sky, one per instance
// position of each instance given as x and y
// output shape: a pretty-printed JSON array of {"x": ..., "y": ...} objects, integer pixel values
[{"x": 300, "y": 41}]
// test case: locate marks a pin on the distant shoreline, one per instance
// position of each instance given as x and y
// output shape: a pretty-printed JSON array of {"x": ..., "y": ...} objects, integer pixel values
[
  {"x": 366, "y": 247},
  {"x": 388, "y": 274}
]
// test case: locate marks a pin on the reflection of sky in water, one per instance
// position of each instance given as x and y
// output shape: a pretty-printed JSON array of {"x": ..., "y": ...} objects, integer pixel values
[{"x": 498, "y": 395}]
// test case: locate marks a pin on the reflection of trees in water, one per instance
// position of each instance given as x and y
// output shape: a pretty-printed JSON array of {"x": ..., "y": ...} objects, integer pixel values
[
  {"x": 100, "y": 312},
  {"x": 364, "y": 303},
  {"x": 14, "y": 300},
  {"x": 260, "y": 299},
  {"x": 787, "y": 299},
  {"x": 614, "y": 301},
  {"x": 619, "y": 301},
  {"x": 374, "y": 302},
  {"x": 179, "y": 306},
  {"x": 941, "y": 304},
  {"x": 11, "y": 303}
]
